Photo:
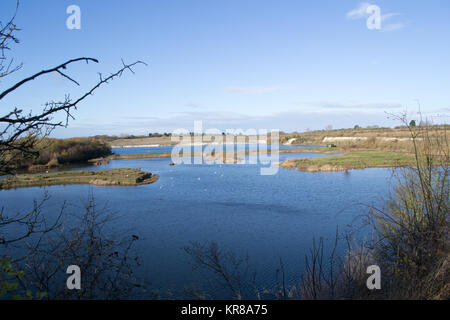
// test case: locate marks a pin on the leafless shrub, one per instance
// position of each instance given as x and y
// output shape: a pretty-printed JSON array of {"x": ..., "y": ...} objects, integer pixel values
[
  {"x": 413, "y": 228},
  {"x": 31, "y": 223},
  {"x": 7, "y": 37},
  {"x": 232, "y": 272},
  {"x": 84, "y": 240},
  {"x": 411, "y": 243}
]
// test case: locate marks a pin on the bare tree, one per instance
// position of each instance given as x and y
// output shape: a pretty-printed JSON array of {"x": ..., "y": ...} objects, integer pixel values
[
  {"x": 20, "y": 129},
  {"x": 28, "y": 223},
  {"x": 231, "y": 271},
  {"x": 7, "y": 37},
  {"x": 45, "y": 242},
  {"x": 89, "y": 242}
]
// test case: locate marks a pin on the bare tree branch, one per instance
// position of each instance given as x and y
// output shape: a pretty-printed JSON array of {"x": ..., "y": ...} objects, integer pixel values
[{"x": 43, "y": 72}]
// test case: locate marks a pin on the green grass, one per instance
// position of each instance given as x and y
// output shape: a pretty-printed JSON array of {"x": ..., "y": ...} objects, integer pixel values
[
  {"x": 352, "y": 160},
  {"x": 115, "y": 177}
]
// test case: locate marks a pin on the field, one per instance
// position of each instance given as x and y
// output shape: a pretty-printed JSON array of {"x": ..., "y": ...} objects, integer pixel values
[
  {"x": 167, "y": 140},
  {"x": 388, "y": 139},
  {"x": 141, "y": 141}
]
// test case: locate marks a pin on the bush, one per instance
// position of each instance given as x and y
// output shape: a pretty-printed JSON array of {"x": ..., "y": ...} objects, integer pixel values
[
  {"x": 414, "y": 227},
  {"x": 52, "y": 152},
  {"x": 411, "y": 242},
  {"x": 78, "y": 150}
]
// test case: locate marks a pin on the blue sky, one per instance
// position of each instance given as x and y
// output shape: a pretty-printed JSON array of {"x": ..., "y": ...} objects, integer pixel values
[{"x": 289, "y": 65}]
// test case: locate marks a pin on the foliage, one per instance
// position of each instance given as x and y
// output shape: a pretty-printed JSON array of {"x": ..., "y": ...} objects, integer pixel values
[
  {"x": 74, "y": 150},
  {"x": 9, "y": 283},
  {"x": 413, "y": 228},
  {"x": 411, "y": 243},
  {"x": 48, "y": 153}
]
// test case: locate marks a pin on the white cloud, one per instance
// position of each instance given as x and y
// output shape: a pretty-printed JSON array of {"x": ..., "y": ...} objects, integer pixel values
[{"x": 359, "y": 12}]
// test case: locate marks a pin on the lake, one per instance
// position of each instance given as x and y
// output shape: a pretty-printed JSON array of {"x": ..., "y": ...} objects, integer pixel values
[
  {"x": 267, "y": 217},
  {"x": 163, "y": 149}
]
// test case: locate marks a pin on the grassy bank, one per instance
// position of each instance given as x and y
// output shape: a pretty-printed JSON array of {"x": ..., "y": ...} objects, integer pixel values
[
  {"x": 362, "y": 148},
  {"x": 351, "y": 160},
  {"x": 115, "y": 177}
]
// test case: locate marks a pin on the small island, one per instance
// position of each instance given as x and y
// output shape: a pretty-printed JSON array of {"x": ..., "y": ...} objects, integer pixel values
[
  {"x": 114, "y": 177},
  {"x": 350, "y": 160}
]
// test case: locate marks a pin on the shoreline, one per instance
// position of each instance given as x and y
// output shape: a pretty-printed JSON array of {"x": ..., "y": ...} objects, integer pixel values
[
  {"x": 186, "y": 144},
  {"x": 236, "y": 153},
  {"x": 354, "y": 160},
  {"x": 142, "y": 146},
  {"x": 337, "y": 161},
  {"x": 111, "y": 177}
]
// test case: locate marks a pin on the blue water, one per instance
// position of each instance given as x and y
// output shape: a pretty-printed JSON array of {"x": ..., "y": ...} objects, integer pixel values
[
  {"x": 266, "y": 217},
  {"x": 162, "y": 149}
]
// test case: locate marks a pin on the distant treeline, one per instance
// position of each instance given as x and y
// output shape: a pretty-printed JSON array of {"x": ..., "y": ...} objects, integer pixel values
[
  {"x": 132, "y": 136},
  {"x": 51, "y": 152}
]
